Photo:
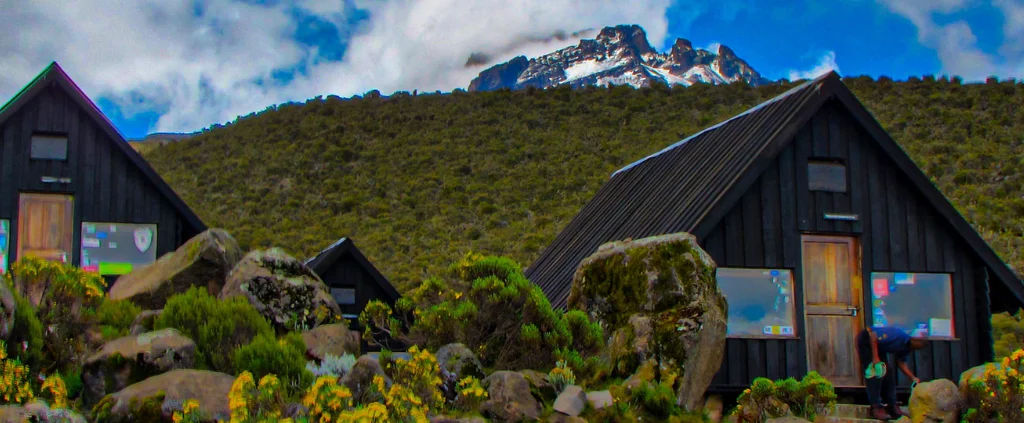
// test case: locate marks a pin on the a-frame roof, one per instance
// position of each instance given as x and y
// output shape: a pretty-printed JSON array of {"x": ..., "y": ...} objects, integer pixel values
[
  {"x": 54, "y": 75},
  {"x": 690, "y": 185},
  {"x": 328, "y": 256}
]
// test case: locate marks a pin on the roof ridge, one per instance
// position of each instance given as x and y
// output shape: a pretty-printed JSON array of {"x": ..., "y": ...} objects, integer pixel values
[{"x": 760, "y": 106}]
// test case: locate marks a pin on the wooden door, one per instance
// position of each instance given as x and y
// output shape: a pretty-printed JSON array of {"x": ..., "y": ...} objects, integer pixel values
[
  {"x": 45, "y": 226},
  {"x": 832, "y": 306}
]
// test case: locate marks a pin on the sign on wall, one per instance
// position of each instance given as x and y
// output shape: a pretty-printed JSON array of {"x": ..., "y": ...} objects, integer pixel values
[
  {"x": 117, "y": 248},
  {"x": 5, "y": 231}
]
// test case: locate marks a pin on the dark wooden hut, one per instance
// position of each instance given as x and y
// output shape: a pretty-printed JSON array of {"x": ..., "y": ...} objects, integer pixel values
[
  {"x": 352, "y": 279},
  {"x": 820, "y": 225},
  {"x": 73, "y": 190}
]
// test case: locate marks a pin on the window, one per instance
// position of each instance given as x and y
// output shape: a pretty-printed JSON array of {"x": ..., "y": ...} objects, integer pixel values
[
  {"x": 760, "y": 302},
  {"x": 5, "y": 228},
  {"x": 110, "y": 248},
  {"x": 344, "y": 296},
  {"x": 826, "y": 176},
  {"x": 49, "y": 147},
  {"x": 914, "y": 302}
]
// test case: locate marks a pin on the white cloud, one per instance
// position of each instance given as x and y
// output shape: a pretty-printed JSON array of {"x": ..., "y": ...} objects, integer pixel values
[
  {"x": 955, "y": 42},
  {"x": 826, "y": 63},
  {"x": 198, "y": 69}
]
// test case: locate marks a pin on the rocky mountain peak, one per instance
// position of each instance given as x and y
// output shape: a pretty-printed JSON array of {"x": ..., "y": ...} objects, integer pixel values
[{"x": 620, "y": 55}]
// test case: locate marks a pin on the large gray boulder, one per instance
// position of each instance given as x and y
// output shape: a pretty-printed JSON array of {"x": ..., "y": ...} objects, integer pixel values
[
  {"x": 281, "y": 288},
  {"x": 459, "y": 360},
  {"x": 334, "y": 339},
  {"x": 509, "y": 398},
  {"x": 360, "y": 378},
  {"x": 209, "y": 388},
  {"x": 204, "y": 260},
  {"x": 571, "y": 401},
  {"x": 133, "y": 358},
  {"x": 936, "y": 401},
  {"x": 7, "y": 307},
  {"x": 974, "y": 374},
  {"x": 661, "y": 296}
]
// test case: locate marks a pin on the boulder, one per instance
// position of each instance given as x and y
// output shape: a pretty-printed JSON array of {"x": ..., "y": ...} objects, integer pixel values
[
  {"x": 571, "y": 401},
  {"x": 458, "y": 359},
  {"x": 974, "y": 374},
  {"x": 133, "y": 358},
  {"x": 7, "y": 307},
  {"x": 562, "y": 418},
  {"x": 334, "y": 339},
  {"x": 144, "y": 321},
  {"x": 662, "y": 294},
  {"x": 787, "y": 419},
  {"x": 40, "y": 412},
  {"x": 361, "y": 376},
  {"x": 209, "y": 388},
  {"x": 509, "y": 398},
  {"x": 15, "y": 414},
  {"x": 935, "y": 401},
  {"x": 204, "y": 260},
  {"x": 539, "y": 384},
  {"x": 446, "y": 419},
  {"x": 600, "y": 399},
  {"x": 281, "y": 288}
]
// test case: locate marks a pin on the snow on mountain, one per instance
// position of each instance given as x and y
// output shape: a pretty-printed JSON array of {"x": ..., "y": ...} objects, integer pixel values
[{"x": 620, "y": 55}]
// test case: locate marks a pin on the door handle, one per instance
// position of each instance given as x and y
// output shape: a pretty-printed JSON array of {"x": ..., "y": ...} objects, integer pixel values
[{"x": 853, "y": 310}]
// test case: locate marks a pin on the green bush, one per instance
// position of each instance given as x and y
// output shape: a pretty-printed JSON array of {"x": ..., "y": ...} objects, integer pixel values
[
  {"x": 1008, "y": 333},
  {"x": 26, "y": 342},
  {"x": 217, "y": 327},
  {"x": 766, "y": 399},
  {"x": 284, "y": 357},
  {"x": 115, "y": 317},
  {"x": 492, "y": 308}
]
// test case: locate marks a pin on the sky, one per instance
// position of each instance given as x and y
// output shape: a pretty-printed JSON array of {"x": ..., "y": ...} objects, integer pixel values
[{"x": 181, "y": 66}]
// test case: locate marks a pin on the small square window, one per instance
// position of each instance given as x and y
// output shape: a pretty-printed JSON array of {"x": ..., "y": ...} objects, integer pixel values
[
  {"x": 344, "y": 296},
  {"x": 49, "y": 147},
  {"x": 826, "y": 176}
]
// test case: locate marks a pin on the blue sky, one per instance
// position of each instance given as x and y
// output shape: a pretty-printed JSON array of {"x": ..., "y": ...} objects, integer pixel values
[{"x": 181, "y": 66}]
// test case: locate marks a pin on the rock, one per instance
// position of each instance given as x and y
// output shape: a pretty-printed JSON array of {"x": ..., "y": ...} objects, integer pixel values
[
  {"x": 974, "y": 374},
  {"x": 509, "y": 398},
  {"x": 600, "y": 399},
  {"x": 539, "y": 385},
  {"x": 662, "y": 290},
  {"x": 903, "y": 419},
  {"x": 209, "y": 388},
  {"x": 15, "y": 414},
  {"x": 130, "y": 359},
  {"x": 204, "y": 260},
  {"x": 144, "y": 321},
  {"x": 562, "y": 418},
  {"x": 335, "y": 339},
  {"x": 281, "y": 288},
  {"x": 935, "y": 401},
  {"x": 750, "y": 411},
  {"x": 361, "y": 376},
  {"x": 460, "y": 360},
  {"x": 7, "y": 307},
  {"x": 446, "y": 419},
  {"x": 571, "y": 401},
  {"x": 42, "y": 413},
  {"x": 714, "y": 407}
]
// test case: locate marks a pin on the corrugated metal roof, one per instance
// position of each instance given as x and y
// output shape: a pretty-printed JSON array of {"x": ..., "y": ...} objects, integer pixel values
[{"x": 669, "y": 191}]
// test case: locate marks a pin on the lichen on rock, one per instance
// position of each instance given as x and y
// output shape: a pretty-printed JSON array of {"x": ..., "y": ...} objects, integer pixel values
[{"x": 661, "y": 297}]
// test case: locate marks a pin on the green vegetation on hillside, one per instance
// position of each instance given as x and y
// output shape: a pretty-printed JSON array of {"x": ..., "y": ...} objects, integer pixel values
[{"x": 417, "y": 181}]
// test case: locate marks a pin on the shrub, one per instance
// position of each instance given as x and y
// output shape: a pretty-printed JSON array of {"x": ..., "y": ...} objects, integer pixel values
[
  {"x": 217, "y": 327},
  {"x": 475, "y": 308},
  {"x": 251, "y": 403},
  {"x": 766, "y": 399},
  {"x": 471, "y": 394},
  {"x": 27, "y": 334},
  {"x": 115, "y": 317},
  {"x": 326, "y": 399},
  {"x": 1008, "y": 333},
  {"x": 561, "y": 376},
  {"x": 54, "y": 388},
  {"x": 66, "y": 295},
  {"x": 999, "y": 395},
  {"x": 284, "y": 357},
  {"x": 15, "y": 386},
  {"x": 332, "y": 365},
  {"x": 189, "y": 412}
]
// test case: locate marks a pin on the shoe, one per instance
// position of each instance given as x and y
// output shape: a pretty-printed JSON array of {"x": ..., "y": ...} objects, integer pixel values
[
  {"x": 878, "y": 413},
  {"x": 895, "y": 411}
]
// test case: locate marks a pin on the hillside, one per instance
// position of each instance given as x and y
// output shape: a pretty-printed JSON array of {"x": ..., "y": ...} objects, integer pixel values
[{"x": 417, "y": 181}]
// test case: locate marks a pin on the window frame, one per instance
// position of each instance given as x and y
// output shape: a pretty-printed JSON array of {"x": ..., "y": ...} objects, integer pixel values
[
  {"x": 952, "y": 300},
  {"x": 829, "y": 161},
  {"x": 50, "y": 135},
  {"x": 797, "y": 318}
]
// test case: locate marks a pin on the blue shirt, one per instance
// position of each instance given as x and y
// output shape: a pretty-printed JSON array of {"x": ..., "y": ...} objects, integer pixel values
[{"x": 892, "y": 341}]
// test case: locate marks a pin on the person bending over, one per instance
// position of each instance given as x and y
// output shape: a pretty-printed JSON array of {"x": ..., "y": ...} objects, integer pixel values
[{"x": 876, "y": 344}]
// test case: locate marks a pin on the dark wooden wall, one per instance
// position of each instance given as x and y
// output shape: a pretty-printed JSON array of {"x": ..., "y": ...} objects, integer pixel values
[
  {"x": 106, "y": 186},
  {"x": 347, "y": 272},
  {"x": 898, "y": 231}
]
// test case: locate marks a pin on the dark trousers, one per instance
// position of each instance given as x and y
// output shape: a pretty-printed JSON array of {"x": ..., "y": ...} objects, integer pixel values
[{"x": 880, "y": 390}]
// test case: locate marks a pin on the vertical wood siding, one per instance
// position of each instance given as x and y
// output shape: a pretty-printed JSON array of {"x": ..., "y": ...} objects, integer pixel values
[
  {"x": 105, "y": 184},
  {"x": 897, "y": 229}
]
